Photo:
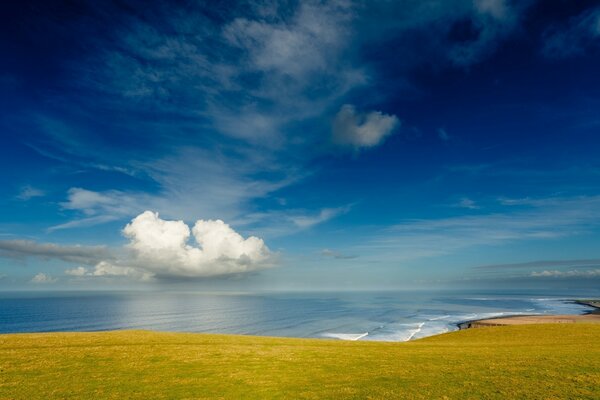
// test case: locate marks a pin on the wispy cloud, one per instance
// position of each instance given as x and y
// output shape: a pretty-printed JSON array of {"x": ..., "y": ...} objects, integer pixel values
[
  {"x": 468, "y": 203},
  {"x": 336, "y": 255},
  {"x": 78, "y": 254},
  {"x": 542, "y": 264},
  {"x": 580, "y": 33},
  {"x": 443, "y": 134},
  {"x": 28, "y": 192},
  {"x": 545, "y": 219},
  {"x": 575, "y": 273}
]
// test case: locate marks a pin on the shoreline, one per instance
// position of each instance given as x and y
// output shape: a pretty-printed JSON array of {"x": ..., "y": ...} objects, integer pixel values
[{"x": 589, "y": 316}]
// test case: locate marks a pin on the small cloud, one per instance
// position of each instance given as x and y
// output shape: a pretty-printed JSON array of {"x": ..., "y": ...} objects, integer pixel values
[
  {"x": 362, "y": 130},
  {"x": 337, "y": 255},
  {"x": 465, "y": 202},
  {"x": 28, "y": 192},
  {"x": 307, "y": 221},
  {"x": 443, "y": 135},
  {"x": 43, "y": 278},
  {"x": 79, "y": 271}
]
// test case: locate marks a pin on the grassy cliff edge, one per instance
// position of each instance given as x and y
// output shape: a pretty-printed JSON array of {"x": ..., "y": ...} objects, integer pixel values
[{"x": 529, "y": 361}]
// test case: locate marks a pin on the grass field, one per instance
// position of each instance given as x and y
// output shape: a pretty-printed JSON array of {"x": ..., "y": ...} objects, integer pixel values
[{"x": 514, "y": 362}]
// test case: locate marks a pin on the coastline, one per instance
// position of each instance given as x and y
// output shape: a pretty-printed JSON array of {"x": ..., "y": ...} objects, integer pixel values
[{"x": 589, "y": 316}]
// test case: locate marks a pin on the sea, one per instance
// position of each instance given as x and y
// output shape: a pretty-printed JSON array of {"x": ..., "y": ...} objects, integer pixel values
[{"x": 379, "y": 316}]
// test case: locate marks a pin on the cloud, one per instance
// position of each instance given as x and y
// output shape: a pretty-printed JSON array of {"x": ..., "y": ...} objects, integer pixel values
[
  {"x": 289, "y": 221},
  {"x": 191, "y": 181},
  {"x": 88, "y": 255},
  {"x": 78, "y": 271},
  {"x": 28, "y": 192},
  {"x": 336, "y": 255},
  {"x": 470, "y": 204},
  {"x": 575, "y": 273},
  {"x": 542, "y": 264},
  {"x": 42, "y": 278},
  {"x": 543, "y": 219},
  {"x": 163, "y": 249},
  {"x": 307, "y": 43},
  {"x": 307, "y": 221},
  {"x": 108, "y": 270},
  {"x": 580, "y": 33},
  {"x": 490, "y": 22},
  {"x": 352, "y": 128},
  {"x": 158, "y": 249},
  {"x": 443, "y": 135}
]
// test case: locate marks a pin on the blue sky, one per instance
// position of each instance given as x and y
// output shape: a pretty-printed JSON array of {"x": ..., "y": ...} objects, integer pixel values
[{"x": 344, "y": 144}]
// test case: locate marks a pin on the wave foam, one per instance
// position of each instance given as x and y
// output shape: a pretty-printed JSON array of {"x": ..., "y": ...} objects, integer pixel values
[{"x": 345, "y": 336}]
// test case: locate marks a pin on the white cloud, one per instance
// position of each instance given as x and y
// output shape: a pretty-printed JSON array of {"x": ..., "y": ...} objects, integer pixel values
[
  {"x": 162, "y": 248},
  {"x": 43, "y": 278},
  {"x": 28, "y": 192},
  {"x": 574, "y": 273},
  {"x": 78, "y": 271},
  {"x": 192, "y": 182},
  {"x": 362, "y": 129},
  {"x": 107, "y": 269},
  {"x": 307, "y": 221},
  {"x": 157, "y": 249},
  {"x": 308, "y": 43}
]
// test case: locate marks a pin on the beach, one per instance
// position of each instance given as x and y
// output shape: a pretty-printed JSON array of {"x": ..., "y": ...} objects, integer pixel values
[{"x": 591, "y": 317}]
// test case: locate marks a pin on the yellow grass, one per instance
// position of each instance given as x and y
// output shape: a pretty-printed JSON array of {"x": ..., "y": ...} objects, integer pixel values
[{"x": 513, "y": 362}]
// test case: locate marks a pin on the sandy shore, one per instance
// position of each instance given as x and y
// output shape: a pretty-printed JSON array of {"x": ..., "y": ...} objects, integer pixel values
[{"x": 593, "y": 316}]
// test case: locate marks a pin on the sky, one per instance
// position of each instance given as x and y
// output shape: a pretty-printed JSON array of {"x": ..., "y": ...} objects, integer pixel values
[{"x": 300, "y": 145}]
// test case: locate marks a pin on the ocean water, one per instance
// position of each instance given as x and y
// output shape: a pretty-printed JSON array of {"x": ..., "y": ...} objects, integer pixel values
[{"x": 382, "y": 316}]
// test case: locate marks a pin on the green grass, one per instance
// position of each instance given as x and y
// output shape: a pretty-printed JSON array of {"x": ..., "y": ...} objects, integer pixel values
[{"x": 514, "y": 362}]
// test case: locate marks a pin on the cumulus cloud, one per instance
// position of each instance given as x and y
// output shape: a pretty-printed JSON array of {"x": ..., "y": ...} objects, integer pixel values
[
  {"x": 162, "y": 248},
  {"x": 581, "y": 33},
  {"x": 356, "y": 129},
  {"x": 157, "y": 249},
  {"x": 43, "y": 278}
]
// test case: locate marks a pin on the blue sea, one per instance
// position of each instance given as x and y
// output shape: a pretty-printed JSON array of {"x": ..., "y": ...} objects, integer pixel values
[{"x": 381, "y": 316}]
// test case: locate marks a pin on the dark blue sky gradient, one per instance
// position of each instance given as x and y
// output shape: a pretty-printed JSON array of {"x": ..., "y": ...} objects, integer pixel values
[{"x": 224, "y": 110}]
